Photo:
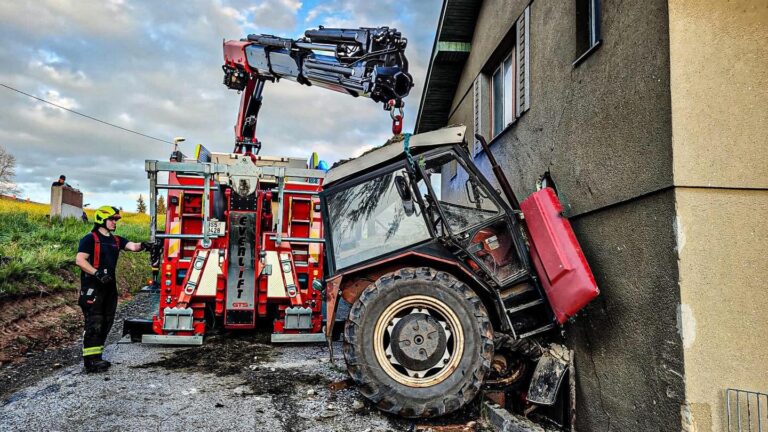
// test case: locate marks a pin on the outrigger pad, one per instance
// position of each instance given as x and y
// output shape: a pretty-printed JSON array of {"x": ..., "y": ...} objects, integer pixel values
[
  {"x": 298, "y": 318},
  {"x": 548, "y": 376},
  {"x": 172, "y": 339},
  {"x": 177, "y": 319}
]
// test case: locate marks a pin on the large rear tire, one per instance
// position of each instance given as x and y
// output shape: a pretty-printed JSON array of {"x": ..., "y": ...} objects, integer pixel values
[{"x": 418, "y": 343}]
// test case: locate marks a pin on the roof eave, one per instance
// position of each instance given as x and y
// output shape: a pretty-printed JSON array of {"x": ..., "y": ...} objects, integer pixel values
[{"x": 450, "y": 52}]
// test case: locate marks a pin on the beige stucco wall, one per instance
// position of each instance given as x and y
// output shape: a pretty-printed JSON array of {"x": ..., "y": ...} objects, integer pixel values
[
  {"x": 722, "y": 238},
  {"x": 719, "y": 89}
]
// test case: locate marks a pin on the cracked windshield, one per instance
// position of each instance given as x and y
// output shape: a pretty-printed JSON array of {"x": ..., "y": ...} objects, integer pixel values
[{"x": 374, "y": 218}]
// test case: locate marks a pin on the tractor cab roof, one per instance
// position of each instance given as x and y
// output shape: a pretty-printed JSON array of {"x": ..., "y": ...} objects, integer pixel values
[{"x": 393, "y": 150}]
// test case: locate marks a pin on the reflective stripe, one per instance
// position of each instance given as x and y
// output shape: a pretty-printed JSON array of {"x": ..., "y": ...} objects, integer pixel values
[{"x": 93, "y": 350}]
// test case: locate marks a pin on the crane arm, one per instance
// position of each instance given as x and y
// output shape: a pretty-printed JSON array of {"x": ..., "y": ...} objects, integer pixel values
[{"x": 368, "y": 62}]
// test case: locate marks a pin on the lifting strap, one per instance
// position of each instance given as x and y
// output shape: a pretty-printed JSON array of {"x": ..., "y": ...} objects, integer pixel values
[
  {"x": 407, "y": 149},
  {"x": 97, "y": 248}
]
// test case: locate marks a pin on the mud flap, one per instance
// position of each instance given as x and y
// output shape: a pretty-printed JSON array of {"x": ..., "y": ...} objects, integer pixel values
[{"x": 549, "y": 374}]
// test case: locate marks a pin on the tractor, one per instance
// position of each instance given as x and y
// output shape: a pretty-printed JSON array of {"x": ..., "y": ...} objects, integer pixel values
[{"x": 449, "y": 283}]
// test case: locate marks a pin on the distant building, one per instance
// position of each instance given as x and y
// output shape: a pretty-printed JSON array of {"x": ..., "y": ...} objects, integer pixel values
[
  {"x": 66, "y": 202},
  {"x": 651, "y": 119}
]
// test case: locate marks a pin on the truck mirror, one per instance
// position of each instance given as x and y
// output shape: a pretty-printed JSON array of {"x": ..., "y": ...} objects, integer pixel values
[{"x": 401, "y": 184}]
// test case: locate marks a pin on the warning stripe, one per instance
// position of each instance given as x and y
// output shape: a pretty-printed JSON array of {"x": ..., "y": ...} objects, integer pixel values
[{"x": 93, "y": 350}]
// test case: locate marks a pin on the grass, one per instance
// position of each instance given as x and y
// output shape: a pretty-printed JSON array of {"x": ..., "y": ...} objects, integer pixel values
[{"x": 38, "y": 254}]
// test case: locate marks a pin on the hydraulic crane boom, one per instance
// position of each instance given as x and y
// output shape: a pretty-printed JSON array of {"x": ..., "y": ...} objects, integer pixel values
[{"x": 366, "y": 62}]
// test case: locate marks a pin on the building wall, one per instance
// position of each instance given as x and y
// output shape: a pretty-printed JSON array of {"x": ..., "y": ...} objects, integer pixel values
[
  {"x": 719, "y": 77},
  {"x": 719, "y": 73},
  {"x": 628, "y": 352},
  {"x": 66, "y": 202},
  {"x": 603, "y": 130},
  {"x": 723, "y": 241}
]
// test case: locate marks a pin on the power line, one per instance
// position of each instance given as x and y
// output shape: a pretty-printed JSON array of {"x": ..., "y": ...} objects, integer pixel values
[{"x": 85, "y": 115}]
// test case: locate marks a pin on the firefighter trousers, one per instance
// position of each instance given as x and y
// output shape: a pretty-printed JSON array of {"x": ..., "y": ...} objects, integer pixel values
[{"x": 98, "y": 303}]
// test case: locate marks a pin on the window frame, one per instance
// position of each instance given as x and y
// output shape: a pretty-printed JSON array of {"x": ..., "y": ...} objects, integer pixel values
[
  {"x": 511, "y": 104},
  {"x": 514, "y": 47},
  {"x": 594, "y": 34},
  {"x": 333, "y": 264}
]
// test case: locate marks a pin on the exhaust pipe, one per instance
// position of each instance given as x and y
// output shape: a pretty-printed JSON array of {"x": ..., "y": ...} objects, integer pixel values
[{"x": 503, "y": 182}]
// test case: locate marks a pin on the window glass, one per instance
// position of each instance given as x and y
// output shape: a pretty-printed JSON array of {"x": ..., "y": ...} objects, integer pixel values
[
  {"x": 509, "y": 105},
  {"x": 587, "y": 27},
  {"x": 503, "y": 94},
  {"x": 372, "y": 219},
  {"x": 498, "y": 101},
  {"x": 464, "y": 207},
  {"x": 470, "y": 209}
]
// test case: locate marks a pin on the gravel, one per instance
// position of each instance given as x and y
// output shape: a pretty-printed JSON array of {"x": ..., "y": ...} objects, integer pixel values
[
  {"x": 234, "y": 382},
  {"x": 41, "y": 364}
]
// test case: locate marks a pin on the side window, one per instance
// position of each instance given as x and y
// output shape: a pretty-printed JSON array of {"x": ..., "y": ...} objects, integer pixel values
[
  {"x": 502, "y": 99},
  {"x": 467, "y": 206},
  {"x": 587, "y": 28}
]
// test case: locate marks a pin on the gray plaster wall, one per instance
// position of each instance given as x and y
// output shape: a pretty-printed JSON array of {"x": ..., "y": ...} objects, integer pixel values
[
  {"x": 629, "y": 354},
  {"x": 603, "y": 130}
]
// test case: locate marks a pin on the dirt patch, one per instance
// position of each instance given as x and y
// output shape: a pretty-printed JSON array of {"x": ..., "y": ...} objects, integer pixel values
[
  {"x": 41, "y": 334},
  {"x": 221, "y": 355},
  {"x": 276, "y": 382},
  {"x": 286, "y": 389},
  {"x": 240, "y": 354},
  {"x": 250, "y": 357},
  {"x": 36, "y": 323}
]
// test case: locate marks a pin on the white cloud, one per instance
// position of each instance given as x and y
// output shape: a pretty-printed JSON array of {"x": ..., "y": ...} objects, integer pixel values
[
  {"x": 55, "y": 97},
  {"x": 59, "y": 76},
  {"x": 156, "y": 68},
  {"x": 275, "y": 14},
  {"x": 125, "y": 118}
]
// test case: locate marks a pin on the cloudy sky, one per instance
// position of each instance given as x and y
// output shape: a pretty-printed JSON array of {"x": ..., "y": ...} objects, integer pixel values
[{"x": 155, "y": 67}]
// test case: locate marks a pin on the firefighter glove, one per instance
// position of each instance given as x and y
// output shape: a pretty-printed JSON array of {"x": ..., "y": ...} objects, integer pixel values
[{"x": 103, "y": 275}]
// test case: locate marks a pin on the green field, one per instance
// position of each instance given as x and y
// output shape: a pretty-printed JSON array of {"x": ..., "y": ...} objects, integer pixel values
[{"x": 38, "y": 254}]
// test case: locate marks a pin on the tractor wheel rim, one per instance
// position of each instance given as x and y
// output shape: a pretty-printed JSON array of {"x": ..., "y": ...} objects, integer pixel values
[{"x": 430, "y": 339}]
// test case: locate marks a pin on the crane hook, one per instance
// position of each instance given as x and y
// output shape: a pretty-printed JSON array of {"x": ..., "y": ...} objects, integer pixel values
[{"x": 397, "y": 119}]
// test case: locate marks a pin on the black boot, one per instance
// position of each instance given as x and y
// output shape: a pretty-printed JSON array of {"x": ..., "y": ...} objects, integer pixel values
[
  {"x": 94, "y": 365},
  {"x": 106, "y": 362}
]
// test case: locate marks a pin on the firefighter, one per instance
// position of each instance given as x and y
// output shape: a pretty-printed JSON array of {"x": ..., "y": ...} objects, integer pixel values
[
  {"x": 97, "y": 258},
  {"x": 62, "y": 181}
]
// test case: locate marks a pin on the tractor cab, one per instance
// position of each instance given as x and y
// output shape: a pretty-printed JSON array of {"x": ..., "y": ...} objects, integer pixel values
[
  {"x": 392, "y": 205},
  {"x": 442, "y": 273}
]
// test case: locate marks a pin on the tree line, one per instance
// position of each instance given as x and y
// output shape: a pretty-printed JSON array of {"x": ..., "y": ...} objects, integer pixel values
[{"x": 141, "y": 206}]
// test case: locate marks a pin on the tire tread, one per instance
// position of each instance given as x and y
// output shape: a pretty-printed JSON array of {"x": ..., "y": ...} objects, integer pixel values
[{"x": 385, "y": 398}]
